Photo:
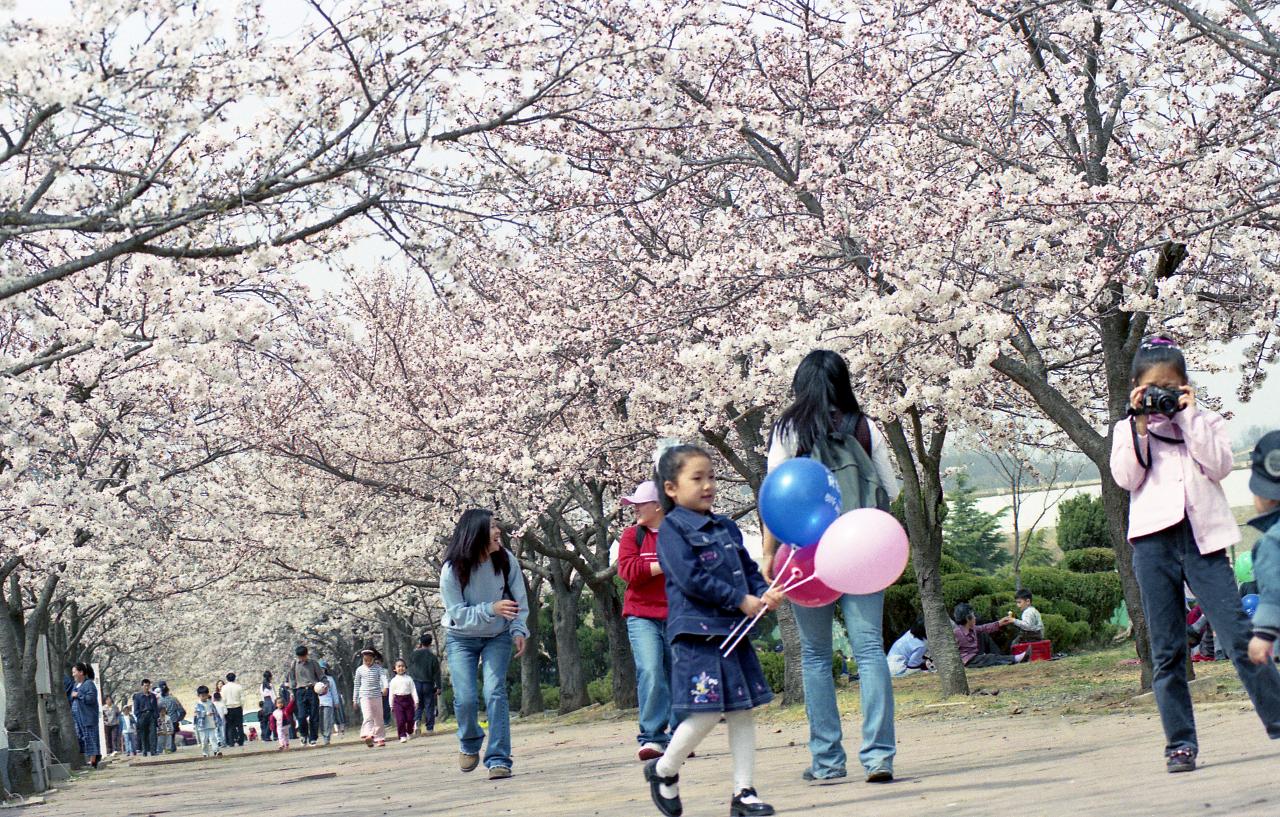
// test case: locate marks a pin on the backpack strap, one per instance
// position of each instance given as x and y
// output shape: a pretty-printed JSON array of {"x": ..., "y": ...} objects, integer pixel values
[{"x": 861, "y": 430}]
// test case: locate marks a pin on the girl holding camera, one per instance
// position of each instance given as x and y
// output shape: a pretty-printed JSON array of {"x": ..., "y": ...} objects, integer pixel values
[{"x": 1171, "y": 455}]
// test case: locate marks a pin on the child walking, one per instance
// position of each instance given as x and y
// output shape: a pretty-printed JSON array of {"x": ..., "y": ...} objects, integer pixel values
[
  {"x": 282, "y": 716},
  {"x": 368, "y": 690},
  {"x": 1264, "y": 484},
  {"x": 711, "y": 584},
  {"x": 164, "y": 726},
  {"x": 1171, "y": 455},
  {"x": 205, "y": 721},
  {"x": 129, "y": 731},
  {"x": 404, "y": 700}
]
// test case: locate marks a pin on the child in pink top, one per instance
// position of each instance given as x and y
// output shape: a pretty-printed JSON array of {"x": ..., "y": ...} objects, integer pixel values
[{"x": 1171, "y": 455}]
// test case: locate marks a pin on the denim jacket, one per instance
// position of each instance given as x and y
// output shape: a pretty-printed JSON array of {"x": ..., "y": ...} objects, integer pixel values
[
  {"x": 1266, "y": 569},
  {"x": 708, "y": 572}
]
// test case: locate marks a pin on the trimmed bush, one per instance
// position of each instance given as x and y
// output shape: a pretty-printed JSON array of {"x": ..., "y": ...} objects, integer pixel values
[
  {"x": 600, "y": 691},
  {"x": 1089, "y": 560},
  {"x": 550, "y": 697},
  {"x": 1082, "y": 523},
  {"x": 775, "y": 670},
  {"x": 1065, "y": 635},
  {"x": 948, "y": 565},
  {"x": 956, "y": 589},
  {"x": 1098, "y": 593}
]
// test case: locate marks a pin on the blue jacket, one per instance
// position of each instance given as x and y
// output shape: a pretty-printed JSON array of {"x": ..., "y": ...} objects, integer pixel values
[
  {"x": 708, "y": 572},
  {"x": 1266, "y": 569}
]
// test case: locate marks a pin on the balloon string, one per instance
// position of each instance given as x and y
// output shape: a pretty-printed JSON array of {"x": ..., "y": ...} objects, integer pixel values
[
  {"x": 792, "y": 584},
  {"x": 791, "y": 553}
]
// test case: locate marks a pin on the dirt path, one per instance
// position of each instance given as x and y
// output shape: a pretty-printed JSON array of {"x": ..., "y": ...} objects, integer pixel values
[{"x": 1026, "y": 765}]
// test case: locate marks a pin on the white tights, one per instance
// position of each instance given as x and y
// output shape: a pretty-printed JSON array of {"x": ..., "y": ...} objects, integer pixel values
[{"x": 692, "y": 731}]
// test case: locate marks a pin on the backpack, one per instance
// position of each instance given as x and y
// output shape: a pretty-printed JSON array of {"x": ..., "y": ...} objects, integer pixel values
[{"x": 847, "y": 452}]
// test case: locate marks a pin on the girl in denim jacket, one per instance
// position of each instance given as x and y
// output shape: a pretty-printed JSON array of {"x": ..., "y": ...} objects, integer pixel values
[
  {"x": 711, "y": 583},
  {"x": 1171, "y": 458}
]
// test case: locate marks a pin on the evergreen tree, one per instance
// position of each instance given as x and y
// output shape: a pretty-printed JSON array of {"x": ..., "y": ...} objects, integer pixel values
[
  {"x": 970, "y": 534},
  {"x": 1082, "y": 523}
]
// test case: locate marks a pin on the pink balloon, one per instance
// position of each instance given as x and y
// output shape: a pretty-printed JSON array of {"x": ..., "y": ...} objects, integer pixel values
[
  {"x": 864, "y": 551},
  {"x": 813, "y": 593}
]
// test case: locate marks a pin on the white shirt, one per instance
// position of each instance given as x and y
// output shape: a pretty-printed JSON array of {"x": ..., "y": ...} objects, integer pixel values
[
  {"x": 403, "y": 685},
  {"x": 233, "y": 695},
  {"x": 783, "y": 448}
]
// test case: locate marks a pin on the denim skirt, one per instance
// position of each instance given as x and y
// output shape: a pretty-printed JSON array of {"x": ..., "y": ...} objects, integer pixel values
[{"x": 702, "y": 680}]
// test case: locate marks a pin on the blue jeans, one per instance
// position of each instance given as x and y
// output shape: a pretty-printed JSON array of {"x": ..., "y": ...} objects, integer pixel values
[
  {"x": 492, "y": 655},
  {"x": 1162, "y": 562},
  {"x": 426, "y": 712},
  {"x": 862, "y": 618},
  {"x": 652, "y": 655}
]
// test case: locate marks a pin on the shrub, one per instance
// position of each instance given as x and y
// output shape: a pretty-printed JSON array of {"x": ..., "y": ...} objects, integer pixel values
[
  {"x": 991, "y": 606},
  {"x": 958, "y": 588},
  {"x": 949, "y": 566},
  {"x": 600, "y": 691},
  {"x": 1089, "y": 560},
  {"x": 1098, "y": 593},
  {"x": 550, "y": 696},
  {"x": 1064, "y": 607},
  {"x": 775, "y": 670},
  {"x": 1065, "y": 635},
  {"x": 1082, "y": 523}
]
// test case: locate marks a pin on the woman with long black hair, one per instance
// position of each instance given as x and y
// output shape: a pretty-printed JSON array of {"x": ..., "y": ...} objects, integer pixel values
[
  {"x": 825, "y": 422},
  {"x": 486, "y": 615}
]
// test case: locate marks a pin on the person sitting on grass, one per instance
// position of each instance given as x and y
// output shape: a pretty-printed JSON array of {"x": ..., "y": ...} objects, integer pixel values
[
  {"x": 1029, "y": 625},
  {"x": 907, "y": 655},
  {"x": 967, "y": 631}
]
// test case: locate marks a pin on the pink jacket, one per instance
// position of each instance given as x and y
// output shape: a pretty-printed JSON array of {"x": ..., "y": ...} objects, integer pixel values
[{"x": 1184, "y": 480}]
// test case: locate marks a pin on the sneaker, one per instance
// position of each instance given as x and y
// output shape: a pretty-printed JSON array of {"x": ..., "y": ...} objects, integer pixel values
[
  {"x": 747, "y": 804},
  {"x": 404, "y": 739},
  {"x": 880, "y": 775},
  {"x": 368, "y": 742},
  {"x": 468, "y": 763},
  {"x": 1181, "y": 760},
  {"x": 649, "y": 751},
  {"x": 669, "y": 806},
  {"x": 499, "y": 773},
  {"x": 827, "y": 779}
]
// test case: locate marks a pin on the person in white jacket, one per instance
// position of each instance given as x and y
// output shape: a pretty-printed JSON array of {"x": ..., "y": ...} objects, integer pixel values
[{"x": 404, "y": 700}]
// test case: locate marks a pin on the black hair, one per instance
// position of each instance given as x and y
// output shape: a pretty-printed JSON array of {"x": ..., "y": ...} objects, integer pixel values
[
  {"x": 266, "y": 676},
  {"x": 917, "y": 629},
  {"x": 469, "y": 546},
  {"x": 217, "y": 696},
  {"x": 301, "y": 650},
  {"x": 202, "y": 690},
  {"x": 823, "y": 393},
  {"x": 231, "y": 677},
  {"x": 146, "y": 681},
  {"x": 1158, "y": 350},
  {"x": 84, "y": 668},
  {"x": 1024, "y": 593},
  {"x": 962, "y": 613},
  {"x": 164, "y": 688},
  {"x": 425, "y": 640},
  {"x": 670, "y": 464}
]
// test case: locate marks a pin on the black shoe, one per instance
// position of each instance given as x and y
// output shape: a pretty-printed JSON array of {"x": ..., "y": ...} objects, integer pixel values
[
  {"x": 669, "y": 806},
  {"x": 741, "y": 809},
  {"x": 1181, "y": 760}
]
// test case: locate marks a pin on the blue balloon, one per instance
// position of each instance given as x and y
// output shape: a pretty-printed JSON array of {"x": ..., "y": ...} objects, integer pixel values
[
  {"x": 799, "y": 500},
  {"x": 1250, "y": 604}
]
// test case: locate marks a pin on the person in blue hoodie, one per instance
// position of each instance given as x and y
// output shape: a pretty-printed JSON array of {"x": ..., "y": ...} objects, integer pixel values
[
  {"x": 1264, "y": 484},
  {"x": 486, "y": 617}
]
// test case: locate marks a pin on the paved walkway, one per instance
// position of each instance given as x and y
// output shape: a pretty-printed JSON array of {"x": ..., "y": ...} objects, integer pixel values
[{"x": 1022, "y": 765}]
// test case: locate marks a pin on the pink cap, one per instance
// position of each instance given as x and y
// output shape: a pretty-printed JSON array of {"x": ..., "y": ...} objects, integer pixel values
[{"x": 645, "y": 492}]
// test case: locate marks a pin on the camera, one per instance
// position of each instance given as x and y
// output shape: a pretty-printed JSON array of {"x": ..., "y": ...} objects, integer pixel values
[{"x": 1157, "y": 400}]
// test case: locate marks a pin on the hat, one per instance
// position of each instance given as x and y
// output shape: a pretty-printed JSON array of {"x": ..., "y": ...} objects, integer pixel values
[
  {"x": 646, "y": 491},
  {"x": 1264, "y": 481},
  {"x": 377, "y": 656}
]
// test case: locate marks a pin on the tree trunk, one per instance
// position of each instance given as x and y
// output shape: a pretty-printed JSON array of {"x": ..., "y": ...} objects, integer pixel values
[
  {"x": 573, "y": 682},
  {"x": 19, "y": 636},
  {"x": 793, "y": 672},
  {"x": 609, "y": 612},
  {"x": 924, "y": 506},
  {"x": 1116, "y": 502},
  {"x": 531, "y": 702}
]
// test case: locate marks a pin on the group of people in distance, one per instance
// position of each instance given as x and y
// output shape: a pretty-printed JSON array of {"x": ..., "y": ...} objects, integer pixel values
[{"x": 690, "y": 581}]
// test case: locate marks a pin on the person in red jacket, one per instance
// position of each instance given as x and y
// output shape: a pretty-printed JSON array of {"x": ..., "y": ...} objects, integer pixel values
[{"x": 645, "y": 607}]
